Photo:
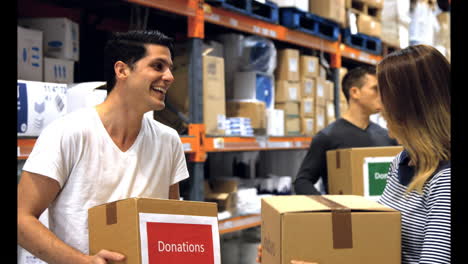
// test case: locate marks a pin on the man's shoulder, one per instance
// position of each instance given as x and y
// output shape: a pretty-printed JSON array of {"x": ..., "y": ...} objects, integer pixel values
[{"x": 160, "y": 129}]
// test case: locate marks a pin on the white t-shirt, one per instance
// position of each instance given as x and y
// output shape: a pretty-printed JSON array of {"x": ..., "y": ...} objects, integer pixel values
[{"x": 77, "y": 151}]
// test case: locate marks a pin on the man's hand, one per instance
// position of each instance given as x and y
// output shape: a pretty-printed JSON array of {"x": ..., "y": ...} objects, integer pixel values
[
  {"x": 259, "y": 257},
  {"x": 104, "y": 255}
]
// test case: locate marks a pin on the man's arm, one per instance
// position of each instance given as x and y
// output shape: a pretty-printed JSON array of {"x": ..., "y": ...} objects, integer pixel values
[
  {"x": 313, "y": 165},
  {"x": 35, "y": 193}
]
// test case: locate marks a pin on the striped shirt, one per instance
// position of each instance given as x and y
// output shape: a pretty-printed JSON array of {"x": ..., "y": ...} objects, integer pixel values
[{"x": 425, "y": 218}]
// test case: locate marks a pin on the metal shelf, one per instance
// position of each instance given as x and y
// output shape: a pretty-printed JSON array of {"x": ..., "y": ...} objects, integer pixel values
[
  {"x": 229, "y": 144},
  {"x": 239, "y": 223},
  {"x": 358, "y": 55},
  {"x": 180, "y": 7}
]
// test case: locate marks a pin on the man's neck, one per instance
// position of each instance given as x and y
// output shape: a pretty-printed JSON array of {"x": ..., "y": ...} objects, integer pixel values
[
  {"x": 121, "y": 121},
  {"x": 357, "y": 117}
]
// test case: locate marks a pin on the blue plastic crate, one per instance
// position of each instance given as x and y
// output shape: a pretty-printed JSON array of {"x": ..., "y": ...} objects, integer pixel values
[
  {"x": 240, "y": 6},
  {"x": 363, "y": 42},
  {"x": 309, "y": 23},
  {"x": 268, "y": 12}
]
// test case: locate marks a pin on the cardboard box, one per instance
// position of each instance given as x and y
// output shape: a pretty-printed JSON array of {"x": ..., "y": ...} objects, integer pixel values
[
  {"x": 309, "y": 66},
  {"x": 30, "y": 54},
  {"x": 360, "y": 171},
  {"x": 331, "y": 9},
  {"x": 86, "y": 94},
  {"x": 300, "y": 4},
  {"x": 255, "y": 85},
  {"x": 275, "y": 122},
  {"x": 223, "y": 193},
  {"x": 374, "y": 3},
  {"x": 320, "y": 118},
  {"x": 214, "y": 102},
  {"x": 307, "y": 88},
  {"x": 322, "y": 72},
  {"x": 58, "y": 70},
  {"x": 368, "y": 25},
  {"x": 39, "y": 103},
  {"x": 156, "y": 230},
  {"x": 329, "y": 229},
  {"x": 292, "y": 126},
  {"x": 321, "y": 89},
  {"x": 330, "y": 116},
  {"x": 342, "y": 72},
  {"x": 329, "y": 90},
  {"x": 61, "y": 36},
  {"x": 255, "y": 110},
  {"x": 307, "y": 126},
  {"x": 291, "y": 109},
  {"x": 287, "y": 91},
  {"x": 307, "y": 107},
  {"x": 287, "y": 67}
]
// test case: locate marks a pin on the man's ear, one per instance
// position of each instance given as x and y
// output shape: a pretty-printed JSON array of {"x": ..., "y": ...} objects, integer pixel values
[
  {"x": 121, "y": 70},
  {"x": 354, "y": 92}
]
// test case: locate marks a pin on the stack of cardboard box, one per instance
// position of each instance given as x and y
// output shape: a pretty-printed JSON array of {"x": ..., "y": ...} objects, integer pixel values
[
  {"x": 287, "y": 89},
  {"x": 368, "y": 16},
  {"x": 55, "y": 38},
  {"x": 395, "y": 23},
  {"x": 343, "y": 102}
]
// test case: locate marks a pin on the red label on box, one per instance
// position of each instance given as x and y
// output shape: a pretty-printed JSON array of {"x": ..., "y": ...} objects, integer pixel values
[{"x": 172, "y": 243}]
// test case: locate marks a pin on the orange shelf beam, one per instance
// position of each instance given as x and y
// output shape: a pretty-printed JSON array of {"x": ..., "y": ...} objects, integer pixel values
[
  {"x": 229, "y": 144},
  {"x": 181, "y": 7},
  {"x": 359, "y": 55},
  {"x": 25, "y": 146},
  {"x": 239, "y": 223}
]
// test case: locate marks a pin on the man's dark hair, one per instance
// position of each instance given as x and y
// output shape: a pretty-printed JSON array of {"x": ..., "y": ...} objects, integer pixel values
[
  {"x": 129, "y": 47},
  {"x": 356, "y": 78}
]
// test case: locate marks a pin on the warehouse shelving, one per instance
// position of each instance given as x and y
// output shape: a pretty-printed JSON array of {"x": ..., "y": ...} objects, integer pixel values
[{"x": 197, "y": 144}]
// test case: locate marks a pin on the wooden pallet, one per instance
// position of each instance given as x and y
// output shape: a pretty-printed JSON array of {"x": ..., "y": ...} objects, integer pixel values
[{"x": 365, "y": 7}]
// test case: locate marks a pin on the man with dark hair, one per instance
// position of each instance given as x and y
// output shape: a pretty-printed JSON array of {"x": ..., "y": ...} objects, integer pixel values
[
  {"x": 353, "y": 129},
  {"x": 102, "y": 154}
]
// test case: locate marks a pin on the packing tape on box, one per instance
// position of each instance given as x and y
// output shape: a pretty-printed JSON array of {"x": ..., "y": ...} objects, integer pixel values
[
  {"x": 111, "y": 213},
  {"x": 342, "y": 228}
]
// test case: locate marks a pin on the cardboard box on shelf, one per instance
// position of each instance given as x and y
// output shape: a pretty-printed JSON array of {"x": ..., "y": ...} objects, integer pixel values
[
  {"x": 61, "y": 36},
  {"x": 323, "y": 72},
  {"x": 368, "y": 25},
  {"x": 292, "y": 126},
  {"x": 223, "y": 193},
  {"x": 255, "y": 110},
  {"x": 321, "y": 89},
  {"x": 360, "y": 171},
  {"x": 331, "y": 9},
  {"x": 329, "y": 90},
  {"x": 330, "y": 115},
  {"x": 291, "y": 109},
  {"x": 307, "y": 107},
  {"x": 307, "y": 126},
  {"x": 214, "y": 102},
  {"x": 309, "y": 66},
  {"x": 86, "y": 94},
  {"x": 342, "y": 72},
  {"x": 30, "y": 54},
  {"x": 58, "y": 70},
  {"x": 329, "y": 229},
  {"x": 299, "y": 4},
  {"x": 307, "y": 87},
  {"x": 39, "y": 103},
  {"x": 287, "y": 65},
  {"x": 275, "y": 122},
  {"x": 320, "y": 118},
  {"x": 156, "y": 230},
  {"x": 287, "y": 91}
]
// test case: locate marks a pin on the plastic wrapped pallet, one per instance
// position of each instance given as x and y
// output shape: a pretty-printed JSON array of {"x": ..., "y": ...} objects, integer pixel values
[{"x": 395, "y": 23}]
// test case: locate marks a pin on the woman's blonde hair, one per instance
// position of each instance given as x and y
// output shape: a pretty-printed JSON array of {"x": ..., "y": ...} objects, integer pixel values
[{"x": 414, "y": 84}]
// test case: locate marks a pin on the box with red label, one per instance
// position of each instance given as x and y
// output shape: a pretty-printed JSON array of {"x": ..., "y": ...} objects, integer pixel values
[
  {"x": 156, "y": 231},
  {"x": 329, "y": 229}
]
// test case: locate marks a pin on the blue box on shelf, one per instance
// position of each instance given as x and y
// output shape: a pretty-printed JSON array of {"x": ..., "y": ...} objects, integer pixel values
[
  {"x": 240, "y": 6},
  {"x": 309, "y": 23},
  {"x": 360, "y": 41}
]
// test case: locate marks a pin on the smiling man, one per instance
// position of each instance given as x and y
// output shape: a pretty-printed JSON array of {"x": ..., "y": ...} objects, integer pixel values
[{"x": 102, "y": 154}]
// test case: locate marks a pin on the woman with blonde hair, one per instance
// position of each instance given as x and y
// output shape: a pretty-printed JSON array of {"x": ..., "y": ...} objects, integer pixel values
[{"x": 414, "y": 85}]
